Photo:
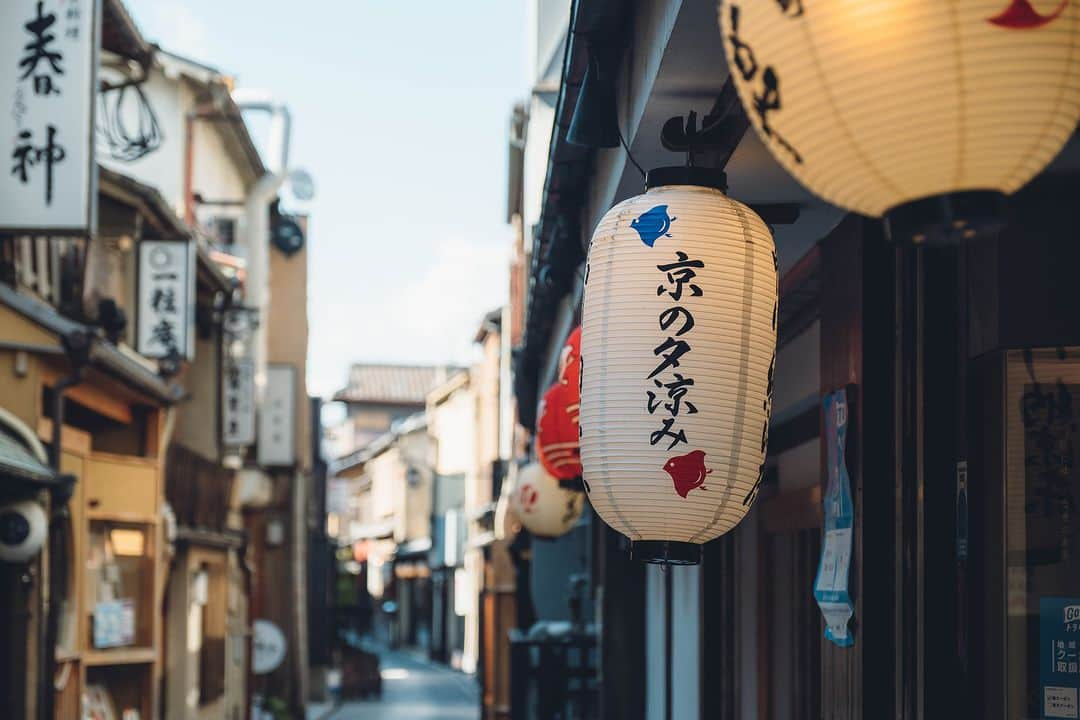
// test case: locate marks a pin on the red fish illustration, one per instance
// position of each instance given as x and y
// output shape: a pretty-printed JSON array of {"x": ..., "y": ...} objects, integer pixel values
[
  {"x": 687, "y": 471},
  {"x": 1020, "y": 15}
]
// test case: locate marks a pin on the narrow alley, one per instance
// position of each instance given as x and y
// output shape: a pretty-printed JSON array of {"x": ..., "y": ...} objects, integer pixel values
[{"x": 413, "y": 689}]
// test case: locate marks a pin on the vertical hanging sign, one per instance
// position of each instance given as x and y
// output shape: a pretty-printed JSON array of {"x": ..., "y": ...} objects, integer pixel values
[
  {"x": 831, "y": 586},
  {"x": 238, "y": 398},
  {"x": 166, "y": 310},
  {"x": 277, "y": 417},
  {"x": 48, "y": 84},
  {"x": 238, "y": 381}
]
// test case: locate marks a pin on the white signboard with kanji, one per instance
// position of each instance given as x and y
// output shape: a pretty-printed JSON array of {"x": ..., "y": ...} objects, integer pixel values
[
  {"x": 238, "y": 378},
  {"x": 277, "y": 417},
  {"x": 238, "y": 402},
  {"x": 166, "y": 312},
  {"x": 48, "y": 77}
]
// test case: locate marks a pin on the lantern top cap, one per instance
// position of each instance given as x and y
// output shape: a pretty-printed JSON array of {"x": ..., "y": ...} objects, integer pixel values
[{"x": 686, "y": 175}]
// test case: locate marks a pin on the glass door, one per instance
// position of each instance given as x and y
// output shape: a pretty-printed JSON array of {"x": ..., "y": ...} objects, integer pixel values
[{"x": 1042, "y": 534}]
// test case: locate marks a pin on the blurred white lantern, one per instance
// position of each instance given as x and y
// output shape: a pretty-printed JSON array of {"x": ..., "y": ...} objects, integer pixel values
[
  {"x": 506, "y": 522},
  {"x": 678, "y": 344},
  {"x": 542, "y": 505},
  {"x": 922, "y": 111}
]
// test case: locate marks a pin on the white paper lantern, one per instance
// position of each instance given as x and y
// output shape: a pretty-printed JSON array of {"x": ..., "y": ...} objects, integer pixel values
[
  {"x": 678, "y": 345},
  {"x": 506, "y": 522},
  {"x": 542, "y": 505},
  {"x": 876, "y": 104}
]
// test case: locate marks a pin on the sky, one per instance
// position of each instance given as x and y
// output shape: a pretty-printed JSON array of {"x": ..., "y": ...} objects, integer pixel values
[{"x": 400, "y": 113}]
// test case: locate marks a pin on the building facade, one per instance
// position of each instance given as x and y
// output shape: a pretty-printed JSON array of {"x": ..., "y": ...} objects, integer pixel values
[{"x": 134, "y": 359}]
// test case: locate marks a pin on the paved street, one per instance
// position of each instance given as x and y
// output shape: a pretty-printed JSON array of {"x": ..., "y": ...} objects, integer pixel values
[{"x": 415, "y": 690}]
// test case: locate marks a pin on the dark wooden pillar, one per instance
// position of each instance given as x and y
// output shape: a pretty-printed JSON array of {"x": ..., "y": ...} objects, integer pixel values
[{"x": 858, "y": 347}]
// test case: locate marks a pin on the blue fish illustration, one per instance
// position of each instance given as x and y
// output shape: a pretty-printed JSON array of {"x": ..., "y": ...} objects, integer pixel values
[{"x": 653, "y": 224}]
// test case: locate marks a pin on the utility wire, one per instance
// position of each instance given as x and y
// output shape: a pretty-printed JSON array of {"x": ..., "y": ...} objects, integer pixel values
[{"x": 628, "y": 153}]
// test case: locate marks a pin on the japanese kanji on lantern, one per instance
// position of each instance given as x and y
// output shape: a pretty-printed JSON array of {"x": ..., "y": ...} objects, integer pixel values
[
  {"x": 677, "y": 349},
  {"x": 542, "y": 505},
  {"x": 925, "y": 112},
  {"x": 557, "y": 441}
]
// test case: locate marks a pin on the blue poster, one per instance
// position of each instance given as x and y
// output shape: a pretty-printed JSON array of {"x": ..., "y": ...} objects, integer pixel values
[
  {"x": 1059, "y": 656},
  {"x": 831, "y": 585}
]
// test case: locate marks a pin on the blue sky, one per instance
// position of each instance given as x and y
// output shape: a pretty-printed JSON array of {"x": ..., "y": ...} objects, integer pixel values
[{"x": 400, "y": 113}]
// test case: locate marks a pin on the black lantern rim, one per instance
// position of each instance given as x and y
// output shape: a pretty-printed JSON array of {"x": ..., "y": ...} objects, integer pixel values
[
  {"x": 686, "y": 175},
  {"x": 666, "y": 552},
  {"x": 577, "y": 484},
  {"x": 946, "y": 219}
]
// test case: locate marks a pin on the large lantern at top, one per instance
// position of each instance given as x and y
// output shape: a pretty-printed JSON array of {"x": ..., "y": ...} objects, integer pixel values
[
  {"x": 677, "y": 349},
  {"x": 923, "y": 111}
]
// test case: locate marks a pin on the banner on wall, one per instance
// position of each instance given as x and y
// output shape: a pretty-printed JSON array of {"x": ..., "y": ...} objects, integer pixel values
[{"x": 831, "y": 587}]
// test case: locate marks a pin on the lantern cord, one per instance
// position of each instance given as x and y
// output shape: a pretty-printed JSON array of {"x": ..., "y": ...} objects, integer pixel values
[{"x": 628, "y": 153}]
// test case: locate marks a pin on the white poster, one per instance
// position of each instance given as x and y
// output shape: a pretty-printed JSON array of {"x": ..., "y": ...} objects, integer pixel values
[
  {"x": 238, "y": 402},
  {"x": 166, "y": 310},
  {"x": 277, "y": 417},
  {"x": 48, "y": 77}
]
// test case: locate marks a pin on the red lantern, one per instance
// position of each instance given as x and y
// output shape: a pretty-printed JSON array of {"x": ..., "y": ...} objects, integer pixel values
[
  {"x": 570, "y": 364},
  {"x": 557, "y": 432}
]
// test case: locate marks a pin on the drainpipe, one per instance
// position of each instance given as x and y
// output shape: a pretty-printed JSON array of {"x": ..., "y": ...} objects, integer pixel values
[
  {"x": 257, "y": 294},
  {"x": 257, "y": 216},
  {"x": 77, "y": 348}
]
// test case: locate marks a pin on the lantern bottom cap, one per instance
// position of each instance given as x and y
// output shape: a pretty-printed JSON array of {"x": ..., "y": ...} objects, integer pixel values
[
  {"x": 946, "y": 219},
  {"x": 666, "y": 552},
  {"x": 577, "y": 484}
]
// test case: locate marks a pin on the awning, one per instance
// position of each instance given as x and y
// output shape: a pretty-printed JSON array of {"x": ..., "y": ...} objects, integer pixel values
[
  {"x": 103, "y": 354},
  {"x": 19, "y": 464},
  {"x": 149, "y": 202}
]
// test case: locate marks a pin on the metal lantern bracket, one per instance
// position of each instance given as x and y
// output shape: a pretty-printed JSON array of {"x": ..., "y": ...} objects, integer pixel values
[
  {"x": 708, "y": 149},
  {"x": 682, "y": 135}
]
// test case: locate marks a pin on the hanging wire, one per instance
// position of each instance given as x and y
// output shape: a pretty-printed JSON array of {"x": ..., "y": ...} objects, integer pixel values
[
  {"x": 627, "y": 149},
  {"x": 114, "y": 115}
]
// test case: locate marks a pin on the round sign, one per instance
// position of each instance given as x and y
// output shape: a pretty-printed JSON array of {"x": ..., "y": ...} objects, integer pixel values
[
  {"x": 267, "y": 647},
  {"x": 301, "y": 185}
]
